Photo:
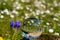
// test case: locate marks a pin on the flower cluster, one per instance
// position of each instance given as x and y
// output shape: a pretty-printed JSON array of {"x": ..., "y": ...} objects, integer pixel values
[{"x": 16, "y": 24}]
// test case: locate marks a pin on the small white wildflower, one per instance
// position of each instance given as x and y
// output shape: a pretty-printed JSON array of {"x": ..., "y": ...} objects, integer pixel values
[
  {"x": 1, "y": 16},
  {"x": 51, "y": 30},
  {"x": 43, "y": 15},
  {"x": 22, "y": 0},
  {"x": 55, "y": 3},
  {"x": 26, "y": 14},
  {"x": 27, "y": 8},
  {"x": 12, "y": 16},
  {"x": 37, "y": 12},
  {"x": 21, "y": 7},
  {"x": 15, "y": 12},
  {"x": 43, "y": 1},
  {"x": 33, "y": 13},
  {"x": 31, "y": 10},
  {"x": 42, "y": 12},
  {"x": 37, "y": 3},
  {"x": 25, "y": 0},
  {"x": 2, "y": 12},
  {"x": 7, "y": 11},
  {"x": 28, "y": 21},
  {"x": 36, "y": 16},
  {"x": 17, "y": 7},
  {"x": 42, "y": 5},
  {"x": 32, "y": 21},
  {"x": 47, "y": 11},
  {"x": 47, "y": 23},
  {"x": 51, "y": 8},
  {"x": 56, "y": 14},
  {"x": 56, "y": 34},
  {"x": 55, "y": 19},
  {"x": 26, "y": 17},
  {"x": 48, "y": 4}
]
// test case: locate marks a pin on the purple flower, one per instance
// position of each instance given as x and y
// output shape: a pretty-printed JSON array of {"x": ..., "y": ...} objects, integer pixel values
[
  {"x": 17, "y": 24},
  {"x": 12, "y": 23}
]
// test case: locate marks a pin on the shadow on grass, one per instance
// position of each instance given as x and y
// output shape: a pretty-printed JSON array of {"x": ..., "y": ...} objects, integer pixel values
[{"x": 48, "y": 37}]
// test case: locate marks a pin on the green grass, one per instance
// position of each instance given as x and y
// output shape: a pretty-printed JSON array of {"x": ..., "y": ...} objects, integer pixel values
[{"x": 7, "y": 32}]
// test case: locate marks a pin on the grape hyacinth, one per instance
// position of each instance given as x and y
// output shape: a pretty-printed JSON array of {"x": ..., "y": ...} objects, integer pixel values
[
  {"x": 12, "y": 23},
  {"x": 17, "y": 24}
]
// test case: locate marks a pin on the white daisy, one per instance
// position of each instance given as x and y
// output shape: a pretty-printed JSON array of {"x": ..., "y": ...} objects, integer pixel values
[{"x": 51, "y": 30}]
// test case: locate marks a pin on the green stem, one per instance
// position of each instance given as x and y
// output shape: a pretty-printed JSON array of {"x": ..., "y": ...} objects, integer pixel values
[{"x": 13, "y": 37}]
